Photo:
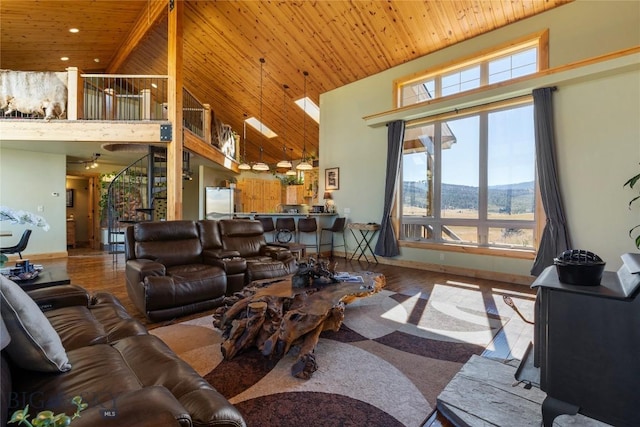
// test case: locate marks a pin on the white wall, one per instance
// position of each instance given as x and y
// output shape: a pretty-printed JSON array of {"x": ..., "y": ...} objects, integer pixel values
[
  {"x": 28, "y": 180},
  {"x": 592, "y": 167}
]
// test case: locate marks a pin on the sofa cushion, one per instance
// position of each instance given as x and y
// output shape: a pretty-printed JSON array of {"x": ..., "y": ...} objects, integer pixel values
[
  {"x": 34, "y": 343},
  {"x": 103, "y": 321},
  {"x": 99, "y": 375},
  {"x": 184, "y": 285},
  {"x": 168, "y": 242},
  {"x": 209, "y": 234}
]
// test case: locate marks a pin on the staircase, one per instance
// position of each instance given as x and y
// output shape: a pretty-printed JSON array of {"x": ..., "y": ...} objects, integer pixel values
[{"x": 138, "y": 193}]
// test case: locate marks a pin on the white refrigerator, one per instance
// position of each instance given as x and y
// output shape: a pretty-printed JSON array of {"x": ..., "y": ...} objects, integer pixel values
[{"x": 218, "y": 202}]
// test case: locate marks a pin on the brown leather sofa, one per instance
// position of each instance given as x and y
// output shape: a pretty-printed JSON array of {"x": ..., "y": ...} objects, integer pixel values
[
  {"x": 175, "y": 268},
  {"x": 126, "y": 376}
]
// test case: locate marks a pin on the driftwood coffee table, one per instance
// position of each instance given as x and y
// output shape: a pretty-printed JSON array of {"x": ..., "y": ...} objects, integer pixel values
[{"x": 274, "y": 316}]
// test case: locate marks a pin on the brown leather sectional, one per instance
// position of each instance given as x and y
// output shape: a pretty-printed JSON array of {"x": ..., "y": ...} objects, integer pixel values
[
  {"x": 127, "y": 376},
  {"x": 174, "y": 268}
]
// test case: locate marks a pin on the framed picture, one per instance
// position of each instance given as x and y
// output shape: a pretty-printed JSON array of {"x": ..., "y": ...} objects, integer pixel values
[
  {"x": 332, "y": 179},
  {"x": 70, "y": 198}
]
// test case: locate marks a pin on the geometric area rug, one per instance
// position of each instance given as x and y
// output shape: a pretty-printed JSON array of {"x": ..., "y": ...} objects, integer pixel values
[{"x": 385, "y": 367}]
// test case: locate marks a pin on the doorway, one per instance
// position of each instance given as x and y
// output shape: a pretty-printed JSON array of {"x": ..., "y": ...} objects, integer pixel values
[{"x": 83, "y": 222}]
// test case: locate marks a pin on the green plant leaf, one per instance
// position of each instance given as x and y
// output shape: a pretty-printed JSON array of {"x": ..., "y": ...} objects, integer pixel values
[
  {"x": 632, "y": 181},
  {"x": 21, "y": 416}
]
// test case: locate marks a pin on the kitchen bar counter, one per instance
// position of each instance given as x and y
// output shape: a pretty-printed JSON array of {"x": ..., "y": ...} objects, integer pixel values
[
  {"x": 252, "y": 215},
  {"x": 324, "y": 220}
]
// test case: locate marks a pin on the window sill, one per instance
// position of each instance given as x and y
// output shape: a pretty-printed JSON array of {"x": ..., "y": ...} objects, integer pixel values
[{"x": 469, "y": 249}]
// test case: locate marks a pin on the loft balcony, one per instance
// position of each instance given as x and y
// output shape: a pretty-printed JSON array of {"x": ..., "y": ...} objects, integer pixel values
[{"x": 119, "y": 110}]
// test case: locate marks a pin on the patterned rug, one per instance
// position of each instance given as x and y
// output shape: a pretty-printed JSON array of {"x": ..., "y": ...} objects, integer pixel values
[{"x": 386, "y": 365}]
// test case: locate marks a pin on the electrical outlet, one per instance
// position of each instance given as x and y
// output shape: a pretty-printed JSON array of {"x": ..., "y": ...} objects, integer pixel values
[
  {"x": 347, "y": 211},
  {"x": 40, "y": 208},
  {"x": 441, "y": 256}
]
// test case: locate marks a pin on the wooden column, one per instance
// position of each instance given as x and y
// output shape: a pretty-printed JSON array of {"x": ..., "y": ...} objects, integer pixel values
[
  {"x": 174, "y": 97},
  {"x": 75, "y": 94}
]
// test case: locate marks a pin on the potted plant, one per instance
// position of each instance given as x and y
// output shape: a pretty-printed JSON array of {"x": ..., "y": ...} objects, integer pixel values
[{"x": 632, "y": 182}]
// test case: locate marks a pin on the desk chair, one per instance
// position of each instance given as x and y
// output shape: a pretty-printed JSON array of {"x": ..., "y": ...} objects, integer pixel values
[
  {"x": 21, "y": 246},
  {"x": 308, "y": 226},
  {"x": 337, "y": 227},
  {"x": 267, "y": 225}
]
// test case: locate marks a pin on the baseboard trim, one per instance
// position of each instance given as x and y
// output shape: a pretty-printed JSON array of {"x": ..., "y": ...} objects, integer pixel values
[
  {"x": 459, "y": 271},
  {"x": 47, "y": 255}
]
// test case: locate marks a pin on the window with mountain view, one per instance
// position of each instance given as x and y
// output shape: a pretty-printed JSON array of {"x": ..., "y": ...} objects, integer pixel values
[{"x": 470, "y": 180}]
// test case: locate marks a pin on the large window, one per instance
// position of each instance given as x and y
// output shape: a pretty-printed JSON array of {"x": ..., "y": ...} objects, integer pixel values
[
  {"x": 517, "y": 59},
  {"x": 470, "y": 180}
]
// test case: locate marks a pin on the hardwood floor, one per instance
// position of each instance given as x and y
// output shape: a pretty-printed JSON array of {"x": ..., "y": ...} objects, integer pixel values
[{"x": 98, "y": 271}]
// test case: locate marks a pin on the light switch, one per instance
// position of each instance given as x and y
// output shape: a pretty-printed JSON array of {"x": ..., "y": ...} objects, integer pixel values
[{"x": 40, "y": 208}]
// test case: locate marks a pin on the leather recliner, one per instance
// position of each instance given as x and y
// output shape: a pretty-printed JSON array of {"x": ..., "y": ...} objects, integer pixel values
[
  {"x": 264, "y": 261},
  {"x": 126, "y": 375},
  {"x": 165, "y": 271}
]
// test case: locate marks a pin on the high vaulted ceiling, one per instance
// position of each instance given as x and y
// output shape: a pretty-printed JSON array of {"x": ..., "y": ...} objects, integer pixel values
[{"x": 336, "y": 42}]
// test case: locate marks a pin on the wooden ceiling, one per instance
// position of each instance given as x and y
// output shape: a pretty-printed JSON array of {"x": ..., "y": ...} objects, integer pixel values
[{"x": 336, "y": 42}]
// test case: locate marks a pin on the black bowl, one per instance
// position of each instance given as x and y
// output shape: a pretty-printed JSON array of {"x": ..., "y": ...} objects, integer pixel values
[{"x": 579, "y": 267}]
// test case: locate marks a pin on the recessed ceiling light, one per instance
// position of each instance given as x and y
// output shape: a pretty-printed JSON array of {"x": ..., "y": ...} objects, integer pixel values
[
  {"x": 64, "y": 58},
  {"x": 74, "y": 30},
  {"x": 96, "y": 59}
]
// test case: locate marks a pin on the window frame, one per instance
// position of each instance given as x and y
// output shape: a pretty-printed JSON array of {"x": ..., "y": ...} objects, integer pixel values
[{"x": 540, "y": 40}]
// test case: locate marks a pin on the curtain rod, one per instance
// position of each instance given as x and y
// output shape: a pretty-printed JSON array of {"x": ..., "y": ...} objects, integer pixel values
[{"x": 459, "y": 110}]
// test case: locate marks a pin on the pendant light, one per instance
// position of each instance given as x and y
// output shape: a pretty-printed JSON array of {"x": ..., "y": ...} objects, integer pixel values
[
  {"x": 284, "y": 163},
  {"x": 261, "y": 166},
  {"x": 292, "y": 171},
  {"x": 244, "y": 165},
  {"x": 304, "y": 165}
]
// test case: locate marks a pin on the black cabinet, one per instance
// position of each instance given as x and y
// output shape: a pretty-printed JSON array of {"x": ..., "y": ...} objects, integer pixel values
[{"x": 587, "y": 347}]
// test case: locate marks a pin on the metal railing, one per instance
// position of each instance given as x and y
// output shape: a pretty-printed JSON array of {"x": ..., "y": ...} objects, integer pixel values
[
  {"x": 124, "y": 97},
  {"x": 193, "y": 114},
  {"x": 133, "y": 195}
]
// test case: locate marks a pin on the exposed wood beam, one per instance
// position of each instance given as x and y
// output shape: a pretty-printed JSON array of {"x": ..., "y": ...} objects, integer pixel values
[
  {"x": 81, "y": 131},
  {"x": 145, "y": 21},
  {"x": 174, "y": 99}
]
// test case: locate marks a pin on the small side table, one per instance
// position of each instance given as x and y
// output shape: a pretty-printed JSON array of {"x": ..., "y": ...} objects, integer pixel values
[{"x": 363, "y": 240}]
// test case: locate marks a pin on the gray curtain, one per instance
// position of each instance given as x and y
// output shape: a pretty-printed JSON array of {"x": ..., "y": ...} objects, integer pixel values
[
  {"x": 387, "y": 244},
  {"x": 555, "y": 236}
]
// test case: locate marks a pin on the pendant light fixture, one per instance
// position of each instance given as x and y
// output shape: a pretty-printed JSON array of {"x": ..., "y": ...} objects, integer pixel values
[
  {"x": 292, "y": 171},
  {"x": 261, "y": 166},
  {"x": 284, "y": 163},
  {"x": 243, "y": 164},
  {"x": 304, "y": 165}
]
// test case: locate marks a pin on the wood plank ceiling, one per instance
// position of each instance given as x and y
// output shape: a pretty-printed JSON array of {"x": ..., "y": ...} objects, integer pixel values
[{"x": 337, "y": 42}]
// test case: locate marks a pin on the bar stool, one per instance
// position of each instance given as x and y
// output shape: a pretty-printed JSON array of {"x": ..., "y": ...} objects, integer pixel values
[
  {"x": 267, "y": 225},
  {"x": 337, "y": 227},
  {"x": 286, "y": 236},
  {"x": 308, "y": 226},
  {"x": 286, "y": 224}
]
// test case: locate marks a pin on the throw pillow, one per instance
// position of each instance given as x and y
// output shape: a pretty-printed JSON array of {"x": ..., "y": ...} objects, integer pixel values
[{"x": 34, "y": 345}]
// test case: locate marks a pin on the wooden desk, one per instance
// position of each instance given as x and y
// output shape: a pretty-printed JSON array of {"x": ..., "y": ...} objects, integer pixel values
[{"x": 363, "y": 240}]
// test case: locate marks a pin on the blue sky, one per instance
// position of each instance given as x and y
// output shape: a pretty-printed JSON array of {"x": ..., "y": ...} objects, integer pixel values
[{"x": 511, "y": 148}]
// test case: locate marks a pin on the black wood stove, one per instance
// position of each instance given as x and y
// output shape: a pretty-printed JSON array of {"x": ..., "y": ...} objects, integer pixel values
[{"x": 586, "y": 346}]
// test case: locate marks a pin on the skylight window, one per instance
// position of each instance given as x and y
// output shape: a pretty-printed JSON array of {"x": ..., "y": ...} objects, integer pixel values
[
  {"x": 261, "y": 127},
  {"x": 312, "y": 109}
]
